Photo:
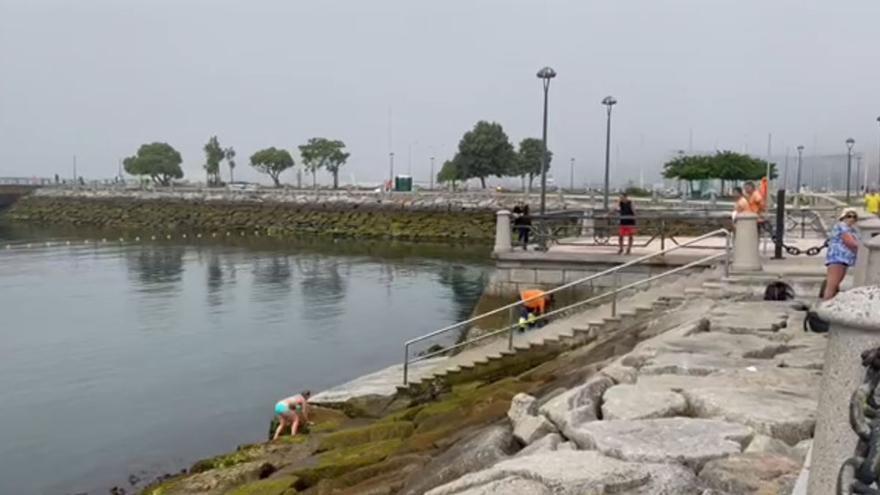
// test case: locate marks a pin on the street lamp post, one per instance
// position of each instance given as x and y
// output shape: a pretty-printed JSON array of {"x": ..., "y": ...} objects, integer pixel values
[
  {"x": 391, "y": 170},
  {"x": 545, "y": 74},
  {"x": 432, "y": 175},
  {"x": 878, "y": 161},
  {"x": 571, "y": 176},
  {"x": 800, "y": 150},
  {"x": 609, "y": 102},
  {"x": 849, "y": 146}
]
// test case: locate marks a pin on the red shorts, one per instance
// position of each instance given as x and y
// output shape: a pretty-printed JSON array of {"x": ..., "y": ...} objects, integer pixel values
[{"x": 627, "y": 231}]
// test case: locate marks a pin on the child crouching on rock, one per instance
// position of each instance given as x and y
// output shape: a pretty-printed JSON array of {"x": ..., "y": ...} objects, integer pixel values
[{"x": 292, "y": 412}]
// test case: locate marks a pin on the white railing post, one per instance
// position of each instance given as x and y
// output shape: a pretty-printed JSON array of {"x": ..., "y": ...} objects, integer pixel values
[
  {"x": 745, "y": 243},
  {"x": 855, "y": 328},
  {"x": 503, "y": 242}
]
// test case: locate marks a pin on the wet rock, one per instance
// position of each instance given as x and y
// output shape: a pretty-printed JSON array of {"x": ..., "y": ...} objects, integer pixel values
[
  {"x": 620, "y": 373},
  {"x": 752, "y": 473},
  {"x": 687, "y": 441},
  {"x": 635, "y": 402},
  {"x": 480, "y": 451}
]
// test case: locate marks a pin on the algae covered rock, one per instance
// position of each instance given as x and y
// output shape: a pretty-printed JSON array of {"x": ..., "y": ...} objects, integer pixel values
[
  {"x": 373, "y": 433},
  {"x": 282, "y": 485}
]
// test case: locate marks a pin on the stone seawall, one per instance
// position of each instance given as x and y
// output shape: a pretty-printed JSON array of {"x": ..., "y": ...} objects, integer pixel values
[{"x": 282, "y": 214}]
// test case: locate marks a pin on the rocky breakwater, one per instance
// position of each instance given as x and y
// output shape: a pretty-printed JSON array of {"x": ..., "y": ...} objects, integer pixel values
[
  {"x": 722, "y": 405},
  {"x": 281, "y": 213},
  {"x": 715, "y": 396}
]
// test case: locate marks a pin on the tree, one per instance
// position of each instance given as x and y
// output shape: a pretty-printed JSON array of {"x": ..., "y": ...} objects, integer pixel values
[
  {"x": 723, "y": 165},
  {"x": 272, "y": 162},
  {"x": 213, "y": 156},
  {"x": 323, "y": 153},
  {"x": 528, "y": 159},
  {"x": 449, "y": 173},
  {"x": 229, "y": 154},
  {"x": 159, "y": 161},
  {"x": 484, "y": 151}
]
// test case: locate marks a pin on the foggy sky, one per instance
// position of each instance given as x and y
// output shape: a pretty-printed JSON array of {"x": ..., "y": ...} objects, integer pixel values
[{"x": 97, "y": 78}]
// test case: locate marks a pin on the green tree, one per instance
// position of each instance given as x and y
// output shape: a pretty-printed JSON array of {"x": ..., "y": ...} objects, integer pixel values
[
  {"x": 323, "y": 153},
  {"x": 726, "y": 166},
  {"x": 213, "y": 156},
  {"x": 484, "y": 151},
  {"x": 160, "y": 161},
  {"x": 449, "y": 173},
  {"x": 229, "y": 154},
  {"x": 272, "y": 162},
  {"x": 528, "y": 159}
]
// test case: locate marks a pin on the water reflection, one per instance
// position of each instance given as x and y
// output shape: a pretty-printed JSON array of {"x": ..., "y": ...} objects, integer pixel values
[
  {"x": 323, "y": 287},
  {"x": 156, "y": 268}
]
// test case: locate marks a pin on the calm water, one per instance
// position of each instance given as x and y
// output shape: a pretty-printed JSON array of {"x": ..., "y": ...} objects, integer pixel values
[{"x": 139, "y": 359}]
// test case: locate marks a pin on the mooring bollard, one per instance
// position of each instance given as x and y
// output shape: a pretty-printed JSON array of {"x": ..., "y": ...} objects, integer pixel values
[
  {"x": 867, "y": 269},
  {"x": 855, "y": 332},
  {"x": 502, "y": 232},
  {"x": 745, "y": 244},
  {"x": 869, "y": 227}
]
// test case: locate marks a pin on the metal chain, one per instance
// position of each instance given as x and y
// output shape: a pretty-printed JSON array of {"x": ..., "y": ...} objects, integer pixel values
[
  {"x": 860, "y": 474},
  {"x": 794, "y": 250}
]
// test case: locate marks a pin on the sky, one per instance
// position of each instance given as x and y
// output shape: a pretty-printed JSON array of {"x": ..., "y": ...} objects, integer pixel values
[{"x": 98, "y": 78}]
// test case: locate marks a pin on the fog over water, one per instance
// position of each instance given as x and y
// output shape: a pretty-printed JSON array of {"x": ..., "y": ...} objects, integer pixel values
[{"x": 96, "y": 78}]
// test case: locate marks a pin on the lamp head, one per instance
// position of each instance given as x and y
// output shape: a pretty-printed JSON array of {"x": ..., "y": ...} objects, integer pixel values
[
  {"x": 546, "y": 73},
  {"x": 850, "y": 143},
  {"x": 609, "y": 100}
]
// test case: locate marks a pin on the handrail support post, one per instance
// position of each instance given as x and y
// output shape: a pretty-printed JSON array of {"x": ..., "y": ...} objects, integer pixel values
[
  {"x": 614, "y": 294},
  {"x": 512, "y": 326},
  {"x": 405, "y": 364}
]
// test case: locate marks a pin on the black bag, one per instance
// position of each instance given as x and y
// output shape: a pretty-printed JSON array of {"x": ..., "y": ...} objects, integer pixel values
[
  {"x": 813, "y": 323},
  {"x": 778, "y": 291}
]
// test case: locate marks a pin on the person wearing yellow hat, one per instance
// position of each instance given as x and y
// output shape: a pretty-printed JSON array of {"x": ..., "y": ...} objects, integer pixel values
[{"x": 842, "y": 248}]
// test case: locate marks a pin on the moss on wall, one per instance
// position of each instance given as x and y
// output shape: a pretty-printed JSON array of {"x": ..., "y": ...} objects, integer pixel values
[{"x": 274, "y": 219}]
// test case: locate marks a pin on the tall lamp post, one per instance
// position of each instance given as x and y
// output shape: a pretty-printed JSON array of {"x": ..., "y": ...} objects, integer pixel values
[
  {"x": 609, "y": 102},
  {"x": 432, "y": 174},
  {"x": 878, "y": 161},
  {"x": 850, "y": 142},
  {"x": 800, "y": 150},
  {"x": 571, "y": 176},
  {"x": 545, "y": 75},
  {"x": 391, "y": 170}
]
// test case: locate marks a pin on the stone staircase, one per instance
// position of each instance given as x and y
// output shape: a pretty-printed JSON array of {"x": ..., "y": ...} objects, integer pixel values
[{"x": 494, "y": 358}]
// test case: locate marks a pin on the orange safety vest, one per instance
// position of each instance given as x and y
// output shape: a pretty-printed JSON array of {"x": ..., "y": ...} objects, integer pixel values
[{"x": 534, "y": 300}]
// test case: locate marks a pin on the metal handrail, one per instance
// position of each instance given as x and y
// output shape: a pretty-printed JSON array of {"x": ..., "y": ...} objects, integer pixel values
[{"x": 614, "y": 270}]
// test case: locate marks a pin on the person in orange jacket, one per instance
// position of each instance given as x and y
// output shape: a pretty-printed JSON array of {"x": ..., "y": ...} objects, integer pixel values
[{"x": 535, "y": 304}]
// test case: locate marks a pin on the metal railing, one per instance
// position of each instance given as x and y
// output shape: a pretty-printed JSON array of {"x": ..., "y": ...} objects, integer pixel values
[
  {"x": 512, "y": 324},
  {"x": 597, "y": 228}
]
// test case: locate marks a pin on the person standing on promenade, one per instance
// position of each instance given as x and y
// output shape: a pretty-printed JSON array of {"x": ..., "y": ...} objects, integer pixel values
[
  {"x": 872, "y": 202},
  {"x": 842, "y": 248},
  {"x": 627, "y": 223},
  {"x": 291, "y": 412},
  {"x": 522, "y": 222}
]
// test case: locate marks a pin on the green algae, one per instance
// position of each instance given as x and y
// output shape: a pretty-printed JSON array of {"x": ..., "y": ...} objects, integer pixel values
[
  {"x": 367, "y": 434},
  {"x": 282, "y": 485},
  {"x": 340, "y": 461}
]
